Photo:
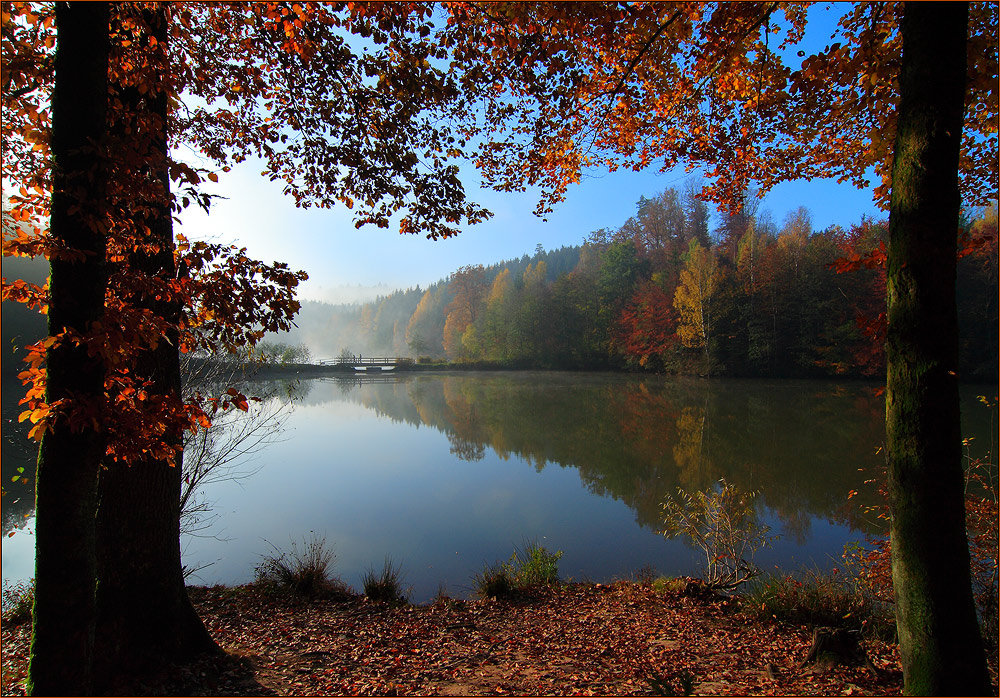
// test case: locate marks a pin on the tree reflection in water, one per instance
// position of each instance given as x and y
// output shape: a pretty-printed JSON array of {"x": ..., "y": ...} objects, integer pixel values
[{"x": 636, "y": 439}]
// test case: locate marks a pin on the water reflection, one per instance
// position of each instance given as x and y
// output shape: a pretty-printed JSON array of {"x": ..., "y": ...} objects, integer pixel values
[
  {"x": 446, "y": 471},
  {"x": 638, "y": 439}
]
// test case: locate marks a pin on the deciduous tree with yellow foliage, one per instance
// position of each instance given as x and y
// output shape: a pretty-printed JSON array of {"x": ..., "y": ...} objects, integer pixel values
[{"x": 695, "y": 299}]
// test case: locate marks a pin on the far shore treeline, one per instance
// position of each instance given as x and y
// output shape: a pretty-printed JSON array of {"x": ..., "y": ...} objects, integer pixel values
[{"x": 660, "y": 293}]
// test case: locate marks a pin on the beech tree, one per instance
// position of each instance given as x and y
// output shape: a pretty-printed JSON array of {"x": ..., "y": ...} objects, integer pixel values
[
  {"x": 938, "y": 631},
  {"x": 706, "y": 85},
  {"x": 276, "y": 69},
  {"x": 135, "y": 405},
  {"x": 139, "y": 551},
  {"x": 468, "y": 286},
  {"x": 68, "y": 460}
]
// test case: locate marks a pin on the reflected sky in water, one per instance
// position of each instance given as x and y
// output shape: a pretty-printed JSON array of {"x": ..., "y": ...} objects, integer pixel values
[{"x": 373, "y": 487}]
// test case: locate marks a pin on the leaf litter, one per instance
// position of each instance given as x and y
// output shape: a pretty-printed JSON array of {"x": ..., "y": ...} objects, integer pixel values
[{"x": 569, "y": 639}]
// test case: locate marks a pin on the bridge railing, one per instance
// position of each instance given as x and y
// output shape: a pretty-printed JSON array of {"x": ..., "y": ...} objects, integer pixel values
[{"x": 366, "y": 361}]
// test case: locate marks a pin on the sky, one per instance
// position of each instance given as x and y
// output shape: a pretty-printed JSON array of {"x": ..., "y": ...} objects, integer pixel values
[
  {"x": 346, "y": 265},
  {"x": 339, "y": 258}
]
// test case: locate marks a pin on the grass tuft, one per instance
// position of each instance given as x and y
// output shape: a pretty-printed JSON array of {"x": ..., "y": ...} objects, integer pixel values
[
  {"x": 819, "y": 599},
  {"x": 669, "y": 585},
  {"x": 494, "y": 581},
  {"x": 305, "y": 572},
  {"x": 385, "y": 585},
  {"x": 536, "y": 565},
  {"x": 17, "y": 602},
  {"x": 443, "y": 598},
  {"x": 531, "y": 565},
  {"x": 646, "y": 574}
]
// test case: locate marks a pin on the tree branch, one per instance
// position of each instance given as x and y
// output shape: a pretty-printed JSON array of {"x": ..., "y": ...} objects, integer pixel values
[
  {"x": 642, "y": 51},
  {"x": 753, "y": 27}
]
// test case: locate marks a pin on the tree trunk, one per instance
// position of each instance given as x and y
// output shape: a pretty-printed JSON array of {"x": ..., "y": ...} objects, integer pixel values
[
  {"x": 69, "y": 456},
  {"x": 940, "y": 643},
  {"x": 145, "y": 619}
]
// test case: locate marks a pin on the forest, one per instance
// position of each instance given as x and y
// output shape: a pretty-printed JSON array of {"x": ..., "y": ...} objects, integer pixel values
[{"x": 663, "y": 293}]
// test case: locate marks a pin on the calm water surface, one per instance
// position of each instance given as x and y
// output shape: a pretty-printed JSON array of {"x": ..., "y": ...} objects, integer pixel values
[{"x": 444, "y": 472}]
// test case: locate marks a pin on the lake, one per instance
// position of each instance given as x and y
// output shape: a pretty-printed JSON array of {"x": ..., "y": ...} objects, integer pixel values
[{"x": 444, "y": 472}]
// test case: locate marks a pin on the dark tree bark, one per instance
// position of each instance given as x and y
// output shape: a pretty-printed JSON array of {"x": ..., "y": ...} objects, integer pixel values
[
  {"x": 69, "y": 456},
  {"x": 942, "y": 651},
  {"x": 145, "y": 618}
]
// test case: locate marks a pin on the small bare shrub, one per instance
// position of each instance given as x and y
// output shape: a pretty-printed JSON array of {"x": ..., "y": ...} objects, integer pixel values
[{"x": 723, "y": 524}]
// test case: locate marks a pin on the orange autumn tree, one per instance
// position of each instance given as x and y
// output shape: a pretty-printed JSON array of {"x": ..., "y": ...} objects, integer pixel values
[
  {"x": 148, "y": 312},
  {"x": 275, "y": 80},
  {"x": 75, "y": 301},
  {"x": 468, "y": 286},
  {"x": 702, "y": 86},
  {"x": 646, "y": 329},
  {"x": 905, "y": 92}
]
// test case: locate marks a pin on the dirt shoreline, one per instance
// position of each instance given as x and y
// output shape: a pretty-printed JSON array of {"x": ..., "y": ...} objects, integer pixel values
[{"x": 571, "y": 639}]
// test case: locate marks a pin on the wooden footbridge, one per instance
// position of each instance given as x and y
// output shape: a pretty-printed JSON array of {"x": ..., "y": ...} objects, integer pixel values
[{"x": 367, "y": 363}]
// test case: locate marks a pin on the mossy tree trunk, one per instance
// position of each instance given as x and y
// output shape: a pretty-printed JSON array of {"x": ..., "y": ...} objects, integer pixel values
[
  {"x": 69, "y": 456},
  {"x": 942, "y": 652},
  {"x": 145, "y": 618}
]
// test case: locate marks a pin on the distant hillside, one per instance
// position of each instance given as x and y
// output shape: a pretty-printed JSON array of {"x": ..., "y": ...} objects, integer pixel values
[{"x": 380, "y": 326}]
